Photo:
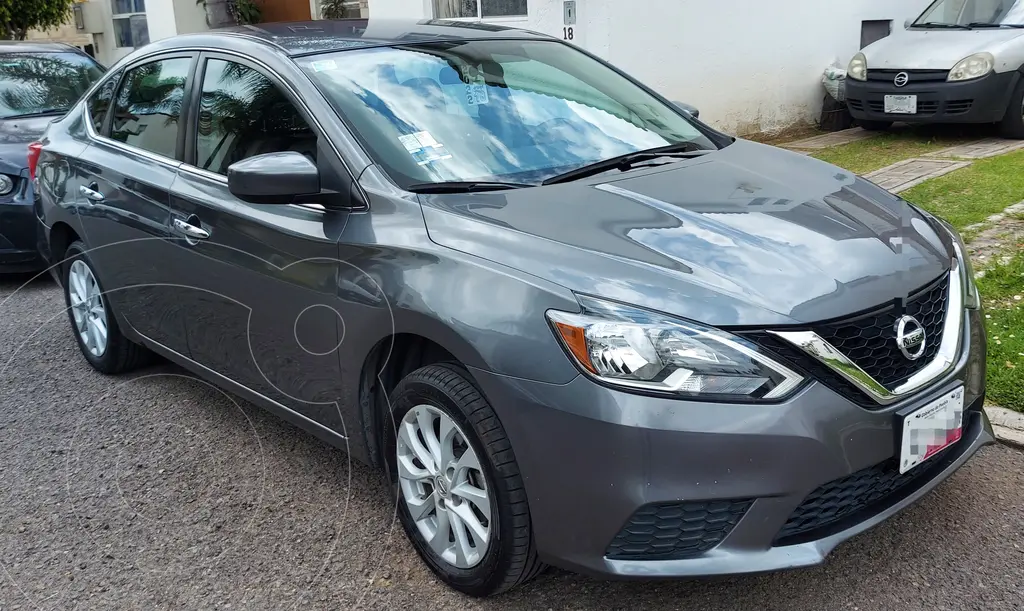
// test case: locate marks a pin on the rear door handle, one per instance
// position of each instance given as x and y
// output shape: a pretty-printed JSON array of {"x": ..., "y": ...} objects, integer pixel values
[
  {"x": 191, "y": 231},
  {"x": 91, "y": 192}
]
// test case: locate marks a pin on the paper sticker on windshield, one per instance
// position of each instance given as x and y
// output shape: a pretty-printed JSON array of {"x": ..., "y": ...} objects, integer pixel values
[
  {"x": 323, "y": 64},
  {"x": 424, "y": 148},
  {"x": 476, "y": 93}
]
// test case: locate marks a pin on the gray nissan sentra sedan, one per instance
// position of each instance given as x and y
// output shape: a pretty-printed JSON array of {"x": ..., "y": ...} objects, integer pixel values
[{"x": 574, "y": 324}]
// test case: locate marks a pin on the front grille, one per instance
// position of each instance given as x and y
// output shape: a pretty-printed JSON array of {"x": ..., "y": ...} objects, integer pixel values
[
  {"x": 854, "y": 498},
  {"x": 916, "y": 76},
  {"x": 869, "y": 340},
  {"x": 672, "y": 531},
  {"x": 923, "y": 107},
  {"x": 959, "y": 107}
]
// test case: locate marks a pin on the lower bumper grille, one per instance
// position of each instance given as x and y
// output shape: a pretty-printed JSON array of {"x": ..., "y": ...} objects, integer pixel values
[
  {"x": 856, "y": 497},
  {"x": 673, "y": 531}
]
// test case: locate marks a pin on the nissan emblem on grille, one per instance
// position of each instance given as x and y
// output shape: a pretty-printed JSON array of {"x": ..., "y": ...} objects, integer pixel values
[
  {"x": 910, "y": 337},
  {"x": 901, "y": 79}
]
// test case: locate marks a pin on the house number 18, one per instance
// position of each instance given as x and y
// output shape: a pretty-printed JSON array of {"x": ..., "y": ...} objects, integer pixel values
[{"x": 567, "y": 33}]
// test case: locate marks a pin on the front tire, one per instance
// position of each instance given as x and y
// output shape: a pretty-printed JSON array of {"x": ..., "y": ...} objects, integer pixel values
[
  {"x": 460, "y": 496},
  {"x": 92, "y": 320},
  {"x": 1012, "y": 125}
]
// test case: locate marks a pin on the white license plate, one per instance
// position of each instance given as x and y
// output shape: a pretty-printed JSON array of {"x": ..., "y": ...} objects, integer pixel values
[
  {"x": 931, "y": 429},
  {"x": 901, "y": 104}
]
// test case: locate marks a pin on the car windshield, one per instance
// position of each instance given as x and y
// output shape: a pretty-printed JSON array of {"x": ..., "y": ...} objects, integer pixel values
[
  {"x": 41, "y": 83},
  {"x": 496, "y": 110},
  {"x": 973, "y": 12}
]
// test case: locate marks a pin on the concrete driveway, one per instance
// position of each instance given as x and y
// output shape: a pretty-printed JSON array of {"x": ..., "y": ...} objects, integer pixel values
[{"x": 157, "y": 491}]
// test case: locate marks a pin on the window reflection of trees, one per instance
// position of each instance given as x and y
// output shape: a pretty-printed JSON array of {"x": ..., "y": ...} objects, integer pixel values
[
  {"x": 242, "y": 114},
  {"x": 37, "y": 83},
  {"x": 150, "y": 98}
]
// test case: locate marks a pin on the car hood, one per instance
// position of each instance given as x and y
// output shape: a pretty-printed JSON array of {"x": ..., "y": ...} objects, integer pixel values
[
  {"x": 15, "y": 136},
  {"x": 938, "y": 49},
  {"x": 748, "y": 235}
]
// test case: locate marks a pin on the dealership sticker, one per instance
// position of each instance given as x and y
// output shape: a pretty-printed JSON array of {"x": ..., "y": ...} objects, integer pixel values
[
  {"x": 324, "y": 64},
  {"x": 424, "y": 148}
]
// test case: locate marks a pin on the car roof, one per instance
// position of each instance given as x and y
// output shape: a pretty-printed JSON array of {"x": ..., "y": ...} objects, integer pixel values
[
  {"x": 306, "y": 37},
  {"x": 23, "y": 46}
]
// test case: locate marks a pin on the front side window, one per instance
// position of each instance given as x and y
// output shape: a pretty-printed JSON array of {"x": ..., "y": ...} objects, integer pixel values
[
  {"x": 148, "y": 106},
  {"x": 973, "y": 13},
  {"x": 478, "y": 9},
  {"x": 43, "y": 83},
  {"x": 493, "y": 110},
  {"x": 100, "y": 101},
  {"x": 243, "y": 114}
]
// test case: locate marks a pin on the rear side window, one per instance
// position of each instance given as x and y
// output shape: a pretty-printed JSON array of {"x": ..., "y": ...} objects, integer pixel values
[
  {"x": 99, "y": 102},
  {"x": 148, "y": 106},
  {"x": 243, "y": 114}
]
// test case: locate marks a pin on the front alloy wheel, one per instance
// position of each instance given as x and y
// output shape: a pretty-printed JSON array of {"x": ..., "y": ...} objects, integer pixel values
[{"x": 443, "y": 487}]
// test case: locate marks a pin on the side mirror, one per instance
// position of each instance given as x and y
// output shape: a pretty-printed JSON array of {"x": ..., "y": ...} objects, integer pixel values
[
  {"x": 274, "y": 178},
  {"x": 690, "y": 110},
  {"x": 908, "y": 23}
]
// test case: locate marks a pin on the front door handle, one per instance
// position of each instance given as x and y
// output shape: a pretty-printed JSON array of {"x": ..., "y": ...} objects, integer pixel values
[
  {"x": 191, "y": 231},
  {"x": 91, "y": 192}
]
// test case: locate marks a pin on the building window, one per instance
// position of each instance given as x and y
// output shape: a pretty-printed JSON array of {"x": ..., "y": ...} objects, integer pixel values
[
  {"x": 130, "y": 27},
  {"x": 478, "y": 9}
]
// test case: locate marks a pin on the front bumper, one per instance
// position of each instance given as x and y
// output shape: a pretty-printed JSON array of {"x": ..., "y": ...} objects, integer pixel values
[
  {"x": 591, "y": 457},
  {"x": 982, "y": 100},
  {"x": 18, "y": 249}
]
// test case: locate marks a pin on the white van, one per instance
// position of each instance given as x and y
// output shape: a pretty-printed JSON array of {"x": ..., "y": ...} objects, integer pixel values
[{"x": 961, "y": 61}]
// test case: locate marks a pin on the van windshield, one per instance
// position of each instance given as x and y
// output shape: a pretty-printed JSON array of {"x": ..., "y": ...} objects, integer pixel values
[
  {"x": 972, "y": 13},
  {"x": 493, "y": 110}
]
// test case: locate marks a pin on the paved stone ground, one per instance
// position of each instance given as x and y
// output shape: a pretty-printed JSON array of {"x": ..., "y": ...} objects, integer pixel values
[
  {"x": 911, "y": 172},
  {"x": 825, "y": 141},
  {"x": 157, "y": 491},
  {"x": 1009, "y": 425},
  {"x": 982, "y": 149}
]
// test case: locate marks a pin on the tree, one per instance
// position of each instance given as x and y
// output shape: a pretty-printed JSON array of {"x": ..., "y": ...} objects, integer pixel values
[
  {"x": 17, "y": 17},
  {"x": 339, "y": 9}
]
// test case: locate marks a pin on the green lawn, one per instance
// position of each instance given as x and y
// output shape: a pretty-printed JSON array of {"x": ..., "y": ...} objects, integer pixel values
[
  {"x": 1002, "y": 291},
  {"x": 974, "y": 193},
  {"x": 887, "y": 148}
]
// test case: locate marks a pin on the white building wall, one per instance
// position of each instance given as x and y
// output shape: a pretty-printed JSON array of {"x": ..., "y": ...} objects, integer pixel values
[
  {"x": 160, "y": 19},
  {"x": 748, "y": 65}
]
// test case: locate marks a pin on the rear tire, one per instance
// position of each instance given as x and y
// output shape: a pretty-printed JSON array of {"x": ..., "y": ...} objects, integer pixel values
[
  {"x": 1012, "y": 125},
  {"x": 93, "y": 323},
  {"x": 875, "y": 126},
  {"x": 508, "y": 558}
]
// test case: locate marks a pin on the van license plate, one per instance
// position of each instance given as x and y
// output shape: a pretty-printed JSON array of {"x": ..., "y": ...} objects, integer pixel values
[
  {"x": 901, "y": 104},
  {"x": 931, "y": 429}
]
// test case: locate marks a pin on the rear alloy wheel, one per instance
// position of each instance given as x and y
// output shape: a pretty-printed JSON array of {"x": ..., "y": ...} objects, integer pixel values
[
  {"x": 92, "y": 320},
  {"x": 460, "y": 496}
]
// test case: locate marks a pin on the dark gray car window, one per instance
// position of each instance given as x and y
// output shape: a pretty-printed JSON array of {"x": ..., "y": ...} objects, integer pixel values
[
  {"x": 243, "y": 114},
  {"x": 100, "y": 100},
  {"x": 148, "y": 106}
]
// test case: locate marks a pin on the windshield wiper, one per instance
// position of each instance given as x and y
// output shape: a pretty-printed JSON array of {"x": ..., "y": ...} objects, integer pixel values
[
  {"x": 39, "y": 113},
  {"x": 464, "y": 186},
  {"x": 683, "y": 150},
  {"x": 985, "y": 24},
  {"x": 937, "y": 24}
]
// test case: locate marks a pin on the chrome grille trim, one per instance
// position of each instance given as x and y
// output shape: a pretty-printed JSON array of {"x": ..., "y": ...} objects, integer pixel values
[{"x": 814, "y": 345}]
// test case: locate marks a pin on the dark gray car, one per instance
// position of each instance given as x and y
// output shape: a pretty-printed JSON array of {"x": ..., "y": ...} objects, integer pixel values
[{"x": 575, "y": 325}]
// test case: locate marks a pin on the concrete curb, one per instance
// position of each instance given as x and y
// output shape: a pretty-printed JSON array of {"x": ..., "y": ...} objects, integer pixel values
[{"x": 1008, "y": 425}]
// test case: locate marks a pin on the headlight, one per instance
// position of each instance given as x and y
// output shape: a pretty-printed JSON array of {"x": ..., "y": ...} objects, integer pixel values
[
  {"x": 6, "y": 184},
  {"x": 972, "y": 299},
  {"x": 858, "y": 69},
  {"x": 630, "y": 347},
  {"x": 972, "y": 67}
]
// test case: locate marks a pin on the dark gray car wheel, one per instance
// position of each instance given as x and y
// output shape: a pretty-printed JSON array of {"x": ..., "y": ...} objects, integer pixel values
[
  {"x": 92, "y": 320},
  {"x": 459, "y": 492}
]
